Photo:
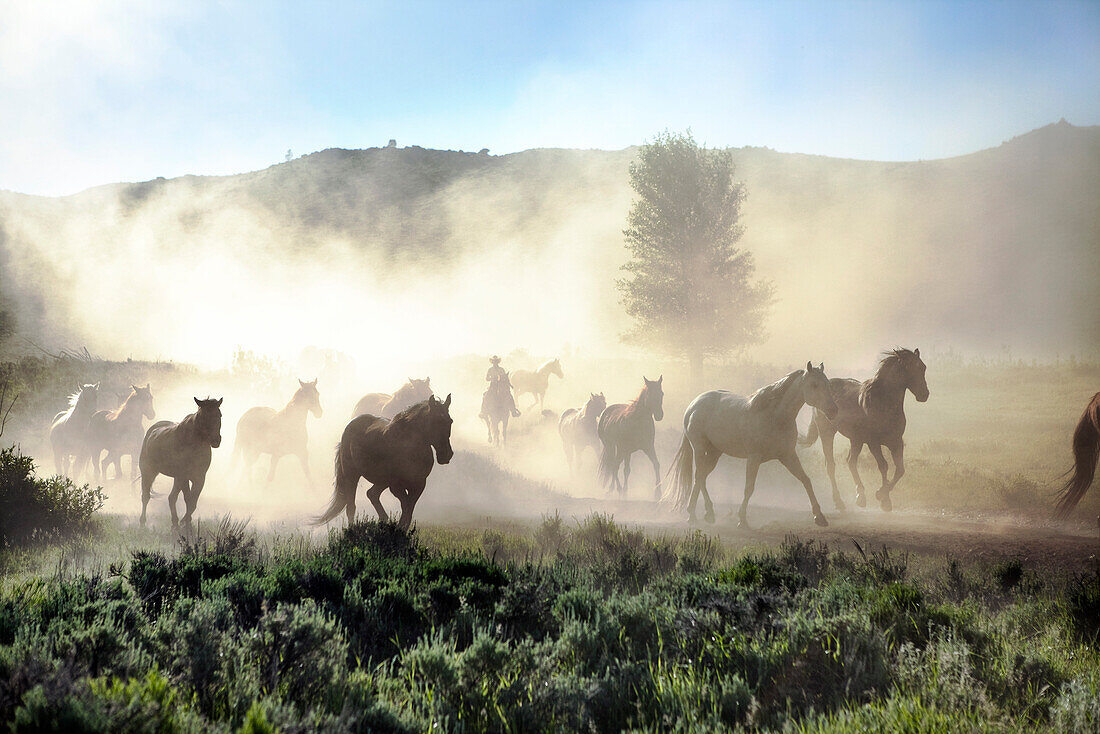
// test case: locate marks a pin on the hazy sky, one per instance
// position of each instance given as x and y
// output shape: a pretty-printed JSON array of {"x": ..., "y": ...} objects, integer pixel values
[{"x": 95, "y": 92}]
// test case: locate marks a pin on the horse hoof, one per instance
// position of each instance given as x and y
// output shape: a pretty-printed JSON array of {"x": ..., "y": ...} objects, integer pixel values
[
  {"x": 691, "y": 519},
  {"x": 820, "y": 521},
  {"x": 887, "y": 505},
  {"x": 839, "y": 505},
  {"x": 743, "y": 524},
  {"x": 709, "y": 517},
  {"x": 861, "y": 500}
]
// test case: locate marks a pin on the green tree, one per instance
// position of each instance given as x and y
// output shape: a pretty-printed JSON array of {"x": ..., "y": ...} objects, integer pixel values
[{"x": 689, "y": 288}]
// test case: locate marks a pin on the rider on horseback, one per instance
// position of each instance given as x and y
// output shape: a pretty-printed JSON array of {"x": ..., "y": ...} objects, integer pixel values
[{"x": 495, "y": 374}]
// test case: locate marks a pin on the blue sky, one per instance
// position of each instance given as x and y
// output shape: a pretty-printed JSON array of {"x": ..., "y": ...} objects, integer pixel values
[{"x": 95, "y": 92}]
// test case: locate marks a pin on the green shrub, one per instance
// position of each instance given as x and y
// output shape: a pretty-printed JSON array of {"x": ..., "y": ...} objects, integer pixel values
[{"x": 36, "y": 510}]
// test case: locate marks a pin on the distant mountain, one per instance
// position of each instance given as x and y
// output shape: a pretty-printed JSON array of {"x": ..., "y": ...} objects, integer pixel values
[{"x": 999, "y": 248}]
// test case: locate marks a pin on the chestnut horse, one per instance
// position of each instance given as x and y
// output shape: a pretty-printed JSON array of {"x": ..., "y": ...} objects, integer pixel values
[
  {"x": 578, "y": 431},
  {"x": 624, "y": 428},
  {"x": 390, "y": 454},
  {"x": 758, "y": 428},
  {"x": 1086, "y": 453},
  {"x": 181, "y": 451},
  {"x": 387, "y": 406},
  {"x": 871, "y": 413},
  {"x": 119, "y": 432},
  {"x": 263, "y": 430}
]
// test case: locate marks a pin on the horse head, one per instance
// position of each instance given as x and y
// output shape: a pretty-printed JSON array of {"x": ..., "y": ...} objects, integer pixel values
[
  {"x": 310, "y": 397},
  {"x": 914, "y": 375},
  {"x": 208, "y": 421},
  {"x": 421, "y": 390},
  {"x": 816, "y": 392},
  {"x": 85, "y": 398},
  {"x": 554, "y": 367},
  {"x": 596, "y": 404},
  {"x": 653, "y": 397},
  {"x": 144, "y": 398},
  {"x": 439, "y": 428}
]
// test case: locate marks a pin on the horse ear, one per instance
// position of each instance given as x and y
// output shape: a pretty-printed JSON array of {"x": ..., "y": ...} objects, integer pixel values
[
  {"x": 427, "y": 380},
  {"x": 197, "y": 401},
  {"x": 821, "y": 366},
  {"x": 447, "y": 402},
  {"x": 132, "y": 387},
  {"x": 97, "y": 386},
  {"x": 809, "y": 366},
  {"x": 916, "y": 352},
  {"x": 660, "y": 379},
  {"x": 314, "y": 383},
  {"x": 300, "y": 383},
  {"x": 220, "y": 402}
]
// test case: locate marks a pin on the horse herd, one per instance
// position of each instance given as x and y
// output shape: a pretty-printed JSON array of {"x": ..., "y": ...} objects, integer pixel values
[{"x": 390, "y": 439}]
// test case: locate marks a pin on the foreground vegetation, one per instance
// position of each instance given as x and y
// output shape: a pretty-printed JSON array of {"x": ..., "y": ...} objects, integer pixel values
[{"x": 589, "y": 627}]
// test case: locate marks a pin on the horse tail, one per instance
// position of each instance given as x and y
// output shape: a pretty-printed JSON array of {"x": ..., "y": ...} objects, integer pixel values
[
  {"x": 811, "y": 436},
  {"x": 1086, "y": 453},
  {"x": 338, "y": 501},
  {"x": 679, "y": 488},
  {"x": 607, "y": 468}
]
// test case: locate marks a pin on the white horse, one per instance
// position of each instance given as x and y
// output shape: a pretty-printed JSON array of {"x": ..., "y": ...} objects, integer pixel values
[
  {"x": 69, "y": 431},
  {"x": 759, "y": 428},
  {"x": 526, "y": 381}
]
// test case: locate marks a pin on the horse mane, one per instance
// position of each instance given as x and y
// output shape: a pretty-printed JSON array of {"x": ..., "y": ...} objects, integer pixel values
[
  {"x": 74, "y": 398},
  {"x": 409, "y": 416},
  {"x": 546, "y": 364},
  {"x": 891, "y": 360},
  {"x": 770, "y": 395}
]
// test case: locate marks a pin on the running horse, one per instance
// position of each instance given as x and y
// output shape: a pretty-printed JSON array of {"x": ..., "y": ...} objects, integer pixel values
[
  {"x": 1086, "y": 453},
  {"x": 69, "y": 431},
  {"x": 758, "y": 428},
  {"x": 181, "y": 451},
  {"x": 624, "y": 428},
  {"x": 578, "y": 430},
  {"x": 536, "y": 383},
  {"x": 279, "y": 433},
  {"x": 390, "y": 454},
  {"x": 871, "y": 413},
  {"x": 498, "y": 409},
  {"x": 119, "y": 432},
  {"x": 387, "y": 406}
]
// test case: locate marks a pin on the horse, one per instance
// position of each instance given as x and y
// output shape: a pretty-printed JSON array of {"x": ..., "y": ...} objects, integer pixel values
[
  {"x": 69, "y": 431},
  {"x": 119, "y": 432},
  {"x": 388, "y": 406},
  {"x": 624, "y": 428},
  {"x": 526, "y": 381},
  {"x": 577, "y": 429},
  {"x": 759, "y": 428},
  {"x": 181, "y": 451},
  {"x": 390, "y": 454},
  {"x": 1086, "y": 453},
  {"x": 498, "y": 409},
  {"x": 263, "y": 430},
  {"x": 871, "y": 412}
]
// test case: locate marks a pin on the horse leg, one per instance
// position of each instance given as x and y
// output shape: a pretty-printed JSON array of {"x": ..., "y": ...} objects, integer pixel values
[
  {"x": 489, "y": 429},
  {"x": 827, "y": 437},
  {"x": 346, "y": 485},
  {"x": 652, "y": 454},
  {"x": 191, "y": 499},
  {"x": 752, "y": 467},
  {"x": 883, "y": 493},
  {"x": 794, "y": 466},
  {"x": 178, "y": 485},
  {"x": 408, "y": 503},
  {"x": 897, "y": 451},
  {"x": 147, "y": 477},
  {"x": 613, "y": 462},
  {"x": 853, "y": 467},
  {"x": 374, "y": 494},
  {"x": 626, "y": 473},
  {"x": 705, "y": 461},
  {"x": 504, "y": 430},
  {"x": 303, "y": 459},
  {"x": 271, "y": 468}
]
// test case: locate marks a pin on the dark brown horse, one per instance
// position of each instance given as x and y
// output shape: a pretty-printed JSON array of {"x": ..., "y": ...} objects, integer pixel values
[
  {"x": 69, "y": 430},
  {"x": 280, "y": 433},
  {"x": 871, "y": 413},
  {"x": 578, "y": 430},
  {"x": 1086, "y": 453},
  {"x": 758, "y": 428},
  {"x": 119, "y": 432},
  {"x": 624, "y": 428},
  {"x": 181, "y": 451},
  {"x": 498, "y": 406},
  {"x": 387, "y": 406},
  {"x": 390, "y": 454}
]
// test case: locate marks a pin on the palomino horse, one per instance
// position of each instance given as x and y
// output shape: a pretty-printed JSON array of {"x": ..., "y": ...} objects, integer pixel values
[
  {"x": 181, "y": 451},
  {"x": 526, "y": 381},
  {"x": 759, "y": 428},
  {"x": 69, "y": 431},
  {"x": 263, "y": 430},
  {"x": 387, "y": 406},
  {"x": 871, "y": 413},
  {"x": 394, "y": 454},
  {"x": 119, "y": 432},
  {"x": 498, "y": 409},
  {"x": 1086, "y": 453},
  {"x": 624, "y": 428},
  {"x": 577, "y": 429}
]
